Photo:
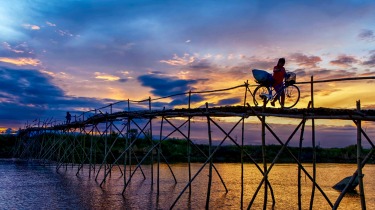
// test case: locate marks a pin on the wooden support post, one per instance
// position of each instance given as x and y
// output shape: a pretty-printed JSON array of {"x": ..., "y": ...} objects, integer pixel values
[
  {"x": 152, "y": 152},
  {"x": 242, "y": 145},
  {"x": 264, "y": 156},
  {"x": 126, "y": 146},
  {"x": 83, "y": 147},
  {"x": 91, "y": 148},
  {"x": 159, "y": 151},
  {"x": 129, "y": 142},
  {"x": 110, "y": 138},
  {"x": 95, "y": 127},
  {"x": 299, "y": 168},
  {"x": 105, "y": 148},
  {"x": 188, "y": 143},
  {"x": 242, "y": 161},
  {"x": 104, "y": 159},
  {"x": 359, "y": 160},
  {"x": 209, "y": 155},
  {"x": 299, "y": 160}
]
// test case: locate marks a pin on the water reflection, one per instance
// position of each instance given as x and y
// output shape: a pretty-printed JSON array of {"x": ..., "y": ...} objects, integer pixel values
[{"x": 27, "y": 185}]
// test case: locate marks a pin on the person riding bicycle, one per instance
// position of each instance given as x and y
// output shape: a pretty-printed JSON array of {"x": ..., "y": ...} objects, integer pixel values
[{"x": 279, "y": 74}]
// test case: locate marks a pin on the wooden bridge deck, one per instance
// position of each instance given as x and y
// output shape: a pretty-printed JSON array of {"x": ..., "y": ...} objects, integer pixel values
[{"x": 227, "y": 111}]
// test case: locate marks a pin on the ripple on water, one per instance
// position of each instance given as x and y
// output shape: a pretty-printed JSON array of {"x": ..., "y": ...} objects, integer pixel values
[{"x": 28, "y": 185}]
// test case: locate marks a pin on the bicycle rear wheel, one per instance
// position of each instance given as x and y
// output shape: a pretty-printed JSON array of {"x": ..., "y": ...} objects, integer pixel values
[
  {"x": 260, "y": 93},
  {"x": 292, "y": 95}
]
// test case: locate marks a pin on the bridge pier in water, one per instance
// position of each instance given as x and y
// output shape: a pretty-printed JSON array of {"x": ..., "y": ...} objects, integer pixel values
[{"x": 104, "y": 140}]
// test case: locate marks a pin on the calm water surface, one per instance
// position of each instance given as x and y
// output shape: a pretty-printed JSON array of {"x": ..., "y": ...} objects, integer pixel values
[{"x": 28, "y": 185}]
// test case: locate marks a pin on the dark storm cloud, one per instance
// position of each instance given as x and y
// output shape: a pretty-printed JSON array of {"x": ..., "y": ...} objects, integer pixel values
[
  {"x": 201, "y": 64},
  {"x": 165, "y": 86},
  {"x": 185, "y": 100},
  {"x": 28, "y": 94},
  {"x": 182, "y": 100},
  {"x": 28, "y": 86},
  {"x": 229, "y": 101}
]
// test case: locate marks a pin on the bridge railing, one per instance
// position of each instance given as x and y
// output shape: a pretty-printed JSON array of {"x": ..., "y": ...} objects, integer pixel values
[{"x": 190, "y": 99}]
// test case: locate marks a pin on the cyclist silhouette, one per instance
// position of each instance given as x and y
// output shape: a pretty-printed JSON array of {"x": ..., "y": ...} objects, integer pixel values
[{"x": 279, "y": 74}]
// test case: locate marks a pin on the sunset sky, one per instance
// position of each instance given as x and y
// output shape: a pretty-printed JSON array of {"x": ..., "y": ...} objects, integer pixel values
[{"x": 75, "y": 55}]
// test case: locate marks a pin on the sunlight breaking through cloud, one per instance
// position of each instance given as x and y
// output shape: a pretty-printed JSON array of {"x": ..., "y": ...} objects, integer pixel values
[
  {"x": 179, "y": 61},
  {"x": 21, "y": 61},
  {"x": 107, "y": 77}
]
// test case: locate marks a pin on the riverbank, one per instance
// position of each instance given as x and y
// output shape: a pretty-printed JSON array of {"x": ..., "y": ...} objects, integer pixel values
[{"x": 175, "y": 151}]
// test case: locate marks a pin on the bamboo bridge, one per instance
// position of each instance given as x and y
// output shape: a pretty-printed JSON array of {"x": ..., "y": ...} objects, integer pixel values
[{"x": 122, "y": 124}]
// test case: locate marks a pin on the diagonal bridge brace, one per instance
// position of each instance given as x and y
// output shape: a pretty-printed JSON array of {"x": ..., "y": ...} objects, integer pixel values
[
  {"x": 227, "y": 135},
  {"x": 293, "y": 156}
]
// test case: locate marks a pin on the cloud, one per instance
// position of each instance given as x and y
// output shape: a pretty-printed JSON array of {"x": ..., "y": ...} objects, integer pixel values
[
  {"x": 106, "y": 77},
  {"x": 165, "y": 86},
  {"x": 229, "y": 101},
  {"x": 320, "y": 74},
  {"x": 50, "y": 24},
  {"x": 367, "y": 35},
  {"x": 368, "y": 73},
  {"x": 344, "y": 61},
  {"x": 371, "y": 60},
  {"x": 31, "y": 27},
  {"x": 26, "y": 95},
  {"x": 7, "y": 46},
  {"x": 16, "y": 50},
  {"x": 21, "y": 61},
  {"x": 190, "y": 61},
  {"x": 184, "y": 100},
  {"x": 179, "y": 61},
  {"x": 305, "y": 60},
  {"x": 200, "y": 64},
  {"x": 64, "y": 33}
]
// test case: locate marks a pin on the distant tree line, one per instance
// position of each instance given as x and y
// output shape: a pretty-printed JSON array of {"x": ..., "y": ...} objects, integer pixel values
[{"x": 176, "y": 150}]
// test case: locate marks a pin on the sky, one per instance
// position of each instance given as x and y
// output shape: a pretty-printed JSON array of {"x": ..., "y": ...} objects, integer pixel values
[{"x": 78, "y": 55}]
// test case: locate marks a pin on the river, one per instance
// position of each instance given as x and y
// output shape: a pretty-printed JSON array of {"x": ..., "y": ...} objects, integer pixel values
[{"x": 29, "y": 185}]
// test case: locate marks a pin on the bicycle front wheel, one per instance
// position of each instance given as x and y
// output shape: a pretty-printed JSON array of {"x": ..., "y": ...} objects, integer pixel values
[
  {"x": 260, "y": 93},
  {"x": 292, "y": 95}
]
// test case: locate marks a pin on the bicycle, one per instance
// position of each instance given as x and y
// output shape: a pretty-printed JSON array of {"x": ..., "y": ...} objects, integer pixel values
[{"x": 263, "y": 93}]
